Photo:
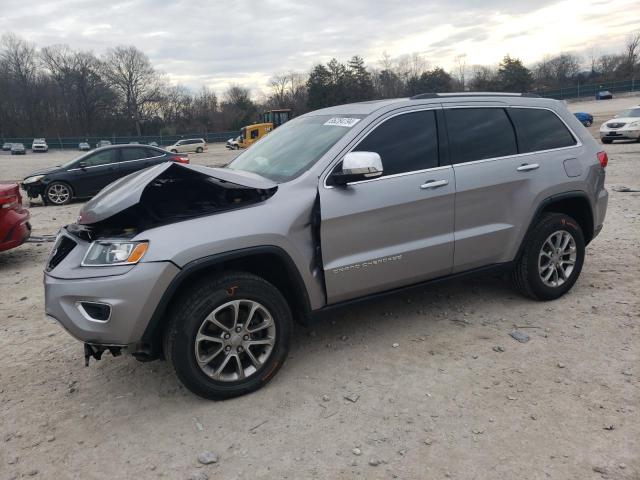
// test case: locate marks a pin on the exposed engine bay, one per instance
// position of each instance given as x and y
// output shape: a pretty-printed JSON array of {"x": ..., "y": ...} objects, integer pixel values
[{"x": 176, "y": 194}]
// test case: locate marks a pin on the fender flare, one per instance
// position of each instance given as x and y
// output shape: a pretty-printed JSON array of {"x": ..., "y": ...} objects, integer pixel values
[
  {"x": 191, "y": 268},
  {"x": 546, "y": 202}
]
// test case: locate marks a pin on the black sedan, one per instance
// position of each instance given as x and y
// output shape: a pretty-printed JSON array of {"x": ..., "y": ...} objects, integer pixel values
[{"x": 87, "y": 175}]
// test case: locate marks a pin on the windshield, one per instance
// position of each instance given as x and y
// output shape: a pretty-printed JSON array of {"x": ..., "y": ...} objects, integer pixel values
[
  {"x": 292, "y": 148},
  {"x": 632, "y": 112}
]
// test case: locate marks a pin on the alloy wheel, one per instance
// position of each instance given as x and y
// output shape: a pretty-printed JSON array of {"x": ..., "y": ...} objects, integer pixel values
[
  {"x": 235, "y": 340},
  {"x": 58, "y": 193},
  {"x": 557, "y": 258}
]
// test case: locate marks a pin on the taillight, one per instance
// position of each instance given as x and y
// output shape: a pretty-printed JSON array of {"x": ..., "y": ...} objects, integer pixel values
[
  {"x": 9, "y": 201},
  {"x": 181, "y": 159},
  {"x": 603, "y": 159}
]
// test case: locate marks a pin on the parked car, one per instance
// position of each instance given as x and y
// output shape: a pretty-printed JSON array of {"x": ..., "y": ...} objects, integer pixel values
[
  {"x": 103, "y": 143},
  {"x": 604, "y": 95},
  {"x": 39, "y": 145},
  {"x": 624, "y": 126},
  {"x": 153, "y": 144},
  {"x": 233, "y": 143},
  {"x": 90, "y": 173},
  {"x": 18, "y": 149},
  {"x": 197, "y": 145},
  {"x": 6, "y": 147},
  {"x": 14, "y": 218},
  {"x": 585, "y": 118},
  {"x": 84, "y": 147},
  {"x": 209, "y": 267}
]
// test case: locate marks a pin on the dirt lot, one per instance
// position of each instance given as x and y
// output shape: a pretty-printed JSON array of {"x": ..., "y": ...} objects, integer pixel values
[{"x": 444, "y": 403}]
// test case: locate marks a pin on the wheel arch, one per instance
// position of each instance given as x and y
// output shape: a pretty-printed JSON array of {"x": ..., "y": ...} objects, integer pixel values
[
  {"x": 575, "y": 204},
  {"x": 269, "y": 262}
]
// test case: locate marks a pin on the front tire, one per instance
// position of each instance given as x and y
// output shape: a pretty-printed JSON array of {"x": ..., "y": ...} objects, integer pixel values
[
  {"x": 588, "y": 123},
  {"x": 58, "y": 193},
  {"x": 552, "y": 258},
  {"x": 174, "y": 150},
  {"x": 229, "y": 335}
]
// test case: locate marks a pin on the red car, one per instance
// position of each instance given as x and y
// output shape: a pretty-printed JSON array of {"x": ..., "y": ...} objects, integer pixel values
[{"x": 14, "y": 218}]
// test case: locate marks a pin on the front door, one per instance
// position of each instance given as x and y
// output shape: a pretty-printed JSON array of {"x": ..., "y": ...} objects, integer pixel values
[
  {"x": 397, "y": 229},
  {"x": 98, "y": 170}
]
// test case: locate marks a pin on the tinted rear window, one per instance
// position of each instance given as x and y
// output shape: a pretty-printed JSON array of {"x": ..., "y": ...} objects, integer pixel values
[
  {"x": 133, "y": 153},
  {"x": 405, "y": 143},
  {"x": 539, "y": 129},
  {"x": 479, "y": 133}
]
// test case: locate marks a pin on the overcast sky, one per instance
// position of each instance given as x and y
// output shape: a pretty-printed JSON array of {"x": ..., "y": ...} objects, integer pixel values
[{"x": 218, "y": 42}]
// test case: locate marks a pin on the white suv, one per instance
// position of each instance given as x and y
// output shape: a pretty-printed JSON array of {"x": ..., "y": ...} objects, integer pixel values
[
  {"x": 39, "y": 145},
  {"x": 624, "y": 126},
  {"x": 197, "y": 145}
]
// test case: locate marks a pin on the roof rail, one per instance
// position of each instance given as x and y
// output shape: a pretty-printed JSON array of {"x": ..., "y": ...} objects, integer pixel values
[{"x": 423, "y": 96}]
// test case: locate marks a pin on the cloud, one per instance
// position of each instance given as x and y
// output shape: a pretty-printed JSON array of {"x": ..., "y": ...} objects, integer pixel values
[{"x": 218, "y": 42}]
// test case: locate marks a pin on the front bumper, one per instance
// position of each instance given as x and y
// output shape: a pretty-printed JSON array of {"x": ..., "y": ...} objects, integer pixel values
[
  {"x": 132, "y": 296},
  {"x": 34, "y": 190},
  {"x": 623, "y": 133}
]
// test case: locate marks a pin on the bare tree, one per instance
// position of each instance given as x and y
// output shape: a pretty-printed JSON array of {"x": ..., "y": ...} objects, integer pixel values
[
  {"x": 83, "y": 92},
  {"x": 131, "y": 75},
  {"x": 631, "y": 55},
  {"x": 460, "y": 68}
]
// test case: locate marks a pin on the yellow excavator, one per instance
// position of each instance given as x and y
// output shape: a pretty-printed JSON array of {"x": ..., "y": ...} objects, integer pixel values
[{"x": 252, "y": 133}]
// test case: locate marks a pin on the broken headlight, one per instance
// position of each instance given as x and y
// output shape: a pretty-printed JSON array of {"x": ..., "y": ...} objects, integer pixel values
[{"x": 104, "y": 253}]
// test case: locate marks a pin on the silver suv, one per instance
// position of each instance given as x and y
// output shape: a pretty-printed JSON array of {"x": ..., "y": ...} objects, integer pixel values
[{"x": 210, "y": 267}]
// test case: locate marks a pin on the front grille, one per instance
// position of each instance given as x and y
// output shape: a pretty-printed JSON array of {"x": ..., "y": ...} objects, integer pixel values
[
  {"x": 61, "y": 249},
  {"x": 615, "y": 125}
]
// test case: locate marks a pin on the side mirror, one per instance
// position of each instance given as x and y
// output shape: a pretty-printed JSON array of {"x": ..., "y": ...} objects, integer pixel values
[
  {"x": 357, "y": 166},
  {"x": 82, "y": 165}
]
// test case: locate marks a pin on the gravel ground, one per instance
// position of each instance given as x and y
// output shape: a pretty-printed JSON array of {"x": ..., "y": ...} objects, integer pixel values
[{"x": 424, "y": 384}]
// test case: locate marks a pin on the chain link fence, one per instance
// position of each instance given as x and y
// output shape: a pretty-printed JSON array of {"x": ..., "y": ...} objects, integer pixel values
[
  {"x": 590, "y": 90},
  {"x": 161, "y": 140}
]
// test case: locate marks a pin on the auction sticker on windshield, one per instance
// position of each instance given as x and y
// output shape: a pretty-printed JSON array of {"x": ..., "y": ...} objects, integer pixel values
[{"x": 342, "y": 122}]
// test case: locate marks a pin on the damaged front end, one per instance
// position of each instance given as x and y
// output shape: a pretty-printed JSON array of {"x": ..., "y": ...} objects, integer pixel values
[
  {"x": 97, "y": 287},
  {"x": 165, "y": 194}
]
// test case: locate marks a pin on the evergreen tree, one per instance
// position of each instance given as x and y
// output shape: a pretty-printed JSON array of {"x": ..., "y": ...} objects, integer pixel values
[{"x": 513, "y": 76}]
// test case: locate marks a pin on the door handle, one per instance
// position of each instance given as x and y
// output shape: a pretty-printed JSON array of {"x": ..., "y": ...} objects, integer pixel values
[
  {"x": 434, "y": 184},
  {"x": 525, "y": 167}
]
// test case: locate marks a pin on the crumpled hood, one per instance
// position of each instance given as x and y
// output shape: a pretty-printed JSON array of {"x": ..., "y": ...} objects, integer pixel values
[{"x": 127, "y": 191}]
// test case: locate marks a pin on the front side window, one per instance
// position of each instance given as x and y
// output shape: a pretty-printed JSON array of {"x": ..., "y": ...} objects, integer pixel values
[
  {"x": 255, "y": 133},
  {"x": 479, "y": 133},
  {"x": 405, "y": 143},
  {"x": 539, "y": 129},
  {"x": 101, "y": 158},
  {"x": 295, "y": 146}
]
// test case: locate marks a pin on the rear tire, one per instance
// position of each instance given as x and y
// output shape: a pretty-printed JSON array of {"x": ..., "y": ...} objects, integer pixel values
[
  {"x": 588, "y": 123},
  {"x": 215, "y": 356},
  {"x": 552, "y": 258},
  {"x": 199, "y": 150},
  {"x": 174, "y": 151}
]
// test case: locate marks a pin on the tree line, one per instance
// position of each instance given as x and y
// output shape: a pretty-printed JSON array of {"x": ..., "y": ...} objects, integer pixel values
[{"x": 58, "y": 91}]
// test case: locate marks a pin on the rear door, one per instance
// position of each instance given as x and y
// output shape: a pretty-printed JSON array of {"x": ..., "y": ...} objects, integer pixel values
[
  {"x": 499, "y": 179},
  {"x": 397, "y": 229},
  {"x": 133, "y": 159}
]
